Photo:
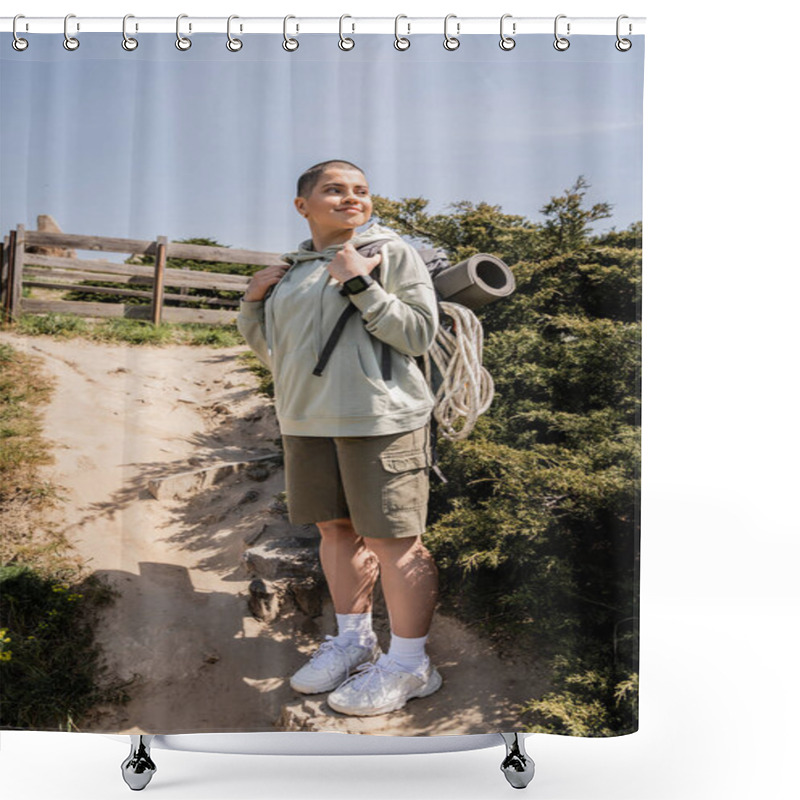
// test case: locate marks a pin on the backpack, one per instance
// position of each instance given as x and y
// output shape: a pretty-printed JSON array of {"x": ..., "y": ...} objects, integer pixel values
[{"x": 435, "y": 260}]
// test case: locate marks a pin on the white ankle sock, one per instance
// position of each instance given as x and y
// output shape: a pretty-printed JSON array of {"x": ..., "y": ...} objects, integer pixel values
[
  {"x": 408, "y": 653},
  {"x": 355, "y": 628}
]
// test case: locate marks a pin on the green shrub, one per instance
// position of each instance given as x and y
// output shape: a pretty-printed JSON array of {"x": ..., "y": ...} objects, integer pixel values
[{"x": 48, "y": 660}]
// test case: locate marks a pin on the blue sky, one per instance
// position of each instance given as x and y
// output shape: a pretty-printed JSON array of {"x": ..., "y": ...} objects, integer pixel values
[{"x": 210, "y": 143}]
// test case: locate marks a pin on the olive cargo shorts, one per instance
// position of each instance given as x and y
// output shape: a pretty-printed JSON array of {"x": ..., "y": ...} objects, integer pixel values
[{"x": 380, "y": 482}]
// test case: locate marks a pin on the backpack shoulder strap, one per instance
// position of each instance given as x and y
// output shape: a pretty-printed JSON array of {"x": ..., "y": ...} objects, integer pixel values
[
  {"x": 348, "y": 312},
  {"x": 368, "y": 250}
]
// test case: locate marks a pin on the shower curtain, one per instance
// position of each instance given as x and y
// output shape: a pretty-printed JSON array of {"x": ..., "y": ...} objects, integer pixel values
[{"x": 321, "y": 384}]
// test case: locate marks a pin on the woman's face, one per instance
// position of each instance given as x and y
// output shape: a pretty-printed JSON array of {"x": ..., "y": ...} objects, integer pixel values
[{"x": 340, "y": 201}]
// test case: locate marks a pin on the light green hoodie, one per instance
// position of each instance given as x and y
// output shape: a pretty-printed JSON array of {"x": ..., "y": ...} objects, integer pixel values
[{"x": 288, "y": 331}]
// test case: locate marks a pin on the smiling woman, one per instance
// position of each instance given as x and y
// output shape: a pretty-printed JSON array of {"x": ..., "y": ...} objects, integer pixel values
[
  {"x": 329, "y": 189},
  {"x": 339, "y": 421}
]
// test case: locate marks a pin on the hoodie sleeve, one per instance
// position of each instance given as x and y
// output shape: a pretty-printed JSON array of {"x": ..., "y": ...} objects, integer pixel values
[
  {"x": 251, "y": 325},
  {"x": 404, "y": 314}
]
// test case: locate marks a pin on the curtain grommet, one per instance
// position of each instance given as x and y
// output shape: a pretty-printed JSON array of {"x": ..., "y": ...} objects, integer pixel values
[
  {"x": 289, "y": 44},
  {"x": 345, "y": 43},
  {"x": 181, "y": 42},
  {"x": 233, "y": 44},
  {"x": 451, "y": 42},
  {"x": 18, "y": 43},
  {"x": 561, "y": 43},
  {"x": 129, "y": 43},
  {"x": 400, "y": 42},
  {"x": 70, "y": 42},
  {"x": 507, "y": 42}
]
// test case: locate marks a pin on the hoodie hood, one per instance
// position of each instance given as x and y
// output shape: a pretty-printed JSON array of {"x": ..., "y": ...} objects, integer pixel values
[{"x": 306, "y": 252}]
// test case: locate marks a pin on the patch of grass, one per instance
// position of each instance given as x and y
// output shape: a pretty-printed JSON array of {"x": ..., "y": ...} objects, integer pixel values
[
  {"x": 266, "y": 386},
  {"x": 212, "y": 335},
  {"x": 130, "y": 331},
  {"x": 24, "y": 495},
  {"x": 49, "y": 669},
  {"x": 61, "y": 325},
  {"x": 49, "y": 663},
  {"x": 22, "y": 449}
]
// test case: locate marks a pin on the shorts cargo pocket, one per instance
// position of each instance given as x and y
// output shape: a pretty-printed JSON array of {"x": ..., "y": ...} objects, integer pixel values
[{"x": 407, "y": 484}]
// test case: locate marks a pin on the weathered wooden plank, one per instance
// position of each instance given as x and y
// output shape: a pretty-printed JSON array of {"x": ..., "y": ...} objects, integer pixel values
[
  {"x": 184, "y": 298},
  {"x": 77, "y": 241},
  {"x": 209, "y": 316},
  {"x": 170, "y": 313},
  {"x": 173, "y": 277},
  {"x": 3, "y": 272},
  {"x": 16, "y": 281},
  {"x": 85, "y": 309},
  {"x": 158, "y": 283},
  {"x": 225, "y": 255},
  {"x": 12, "y": 238},
  {"x": 66, "y": 287}
]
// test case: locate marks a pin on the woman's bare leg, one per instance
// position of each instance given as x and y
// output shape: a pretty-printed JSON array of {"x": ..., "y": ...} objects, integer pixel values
[
  {"x": 410, "y": 581},
  {"x": 350, "y": 568}
]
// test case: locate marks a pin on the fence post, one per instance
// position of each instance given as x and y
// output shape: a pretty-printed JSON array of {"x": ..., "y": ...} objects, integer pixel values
[
  {"x": 158, "y": 282},
  {"x": 12, "y": 235},
  {"x": 19, "y": 259},
  {"x": 3, "y": 276}
]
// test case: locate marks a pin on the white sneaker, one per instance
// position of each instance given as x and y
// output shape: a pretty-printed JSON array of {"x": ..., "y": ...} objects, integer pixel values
[
  {"x": 331, "y": 664},
  {"x": 381, "y": 687}
]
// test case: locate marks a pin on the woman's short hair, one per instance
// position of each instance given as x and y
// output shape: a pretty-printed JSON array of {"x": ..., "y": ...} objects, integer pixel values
[{"x": 308, "y": 180}]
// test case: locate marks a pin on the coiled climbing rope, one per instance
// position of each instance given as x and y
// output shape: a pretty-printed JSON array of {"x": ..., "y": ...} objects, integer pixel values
[{"x": 467, "y": 387}]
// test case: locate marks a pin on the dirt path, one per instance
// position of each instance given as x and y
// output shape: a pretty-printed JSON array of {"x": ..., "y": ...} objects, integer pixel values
[{"x": 122, "y": 415}]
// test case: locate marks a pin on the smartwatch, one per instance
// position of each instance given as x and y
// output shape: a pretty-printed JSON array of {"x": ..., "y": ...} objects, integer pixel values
[{"x": 356, "y": 284}]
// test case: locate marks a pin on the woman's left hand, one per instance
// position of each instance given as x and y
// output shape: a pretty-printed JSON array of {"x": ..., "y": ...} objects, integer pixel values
[{"x": 348, "y": 263}]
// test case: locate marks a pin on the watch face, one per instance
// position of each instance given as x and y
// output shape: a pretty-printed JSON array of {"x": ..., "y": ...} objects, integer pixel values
[{"x": 356, "y": 284}]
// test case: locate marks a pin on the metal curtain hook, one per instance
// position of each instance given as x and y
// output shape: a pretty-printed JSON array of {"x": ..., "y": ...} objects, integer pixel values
[
  {"x": 451, "y": 42},
  {"x": 289, "y": 44},
  {"x": 506, "y": 42},
  {"x": 18, "y": 43},
  {"x": 344, "y": 42},
  {"x": 561, "y": 43},
  {"x": 128, "y": 42},
  {"x": 401, "y": 43},
  {"x": 182, "y": 43},
  {"x": 234, "y": 45},
  {"x": 70, "y": 42},
  {"x": 623, "y": 45}
]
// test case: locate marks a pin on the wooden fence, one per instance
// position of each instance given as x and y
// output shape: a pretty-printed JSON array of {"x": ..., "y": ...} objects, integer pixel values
[{"x": 44, "y": 270}]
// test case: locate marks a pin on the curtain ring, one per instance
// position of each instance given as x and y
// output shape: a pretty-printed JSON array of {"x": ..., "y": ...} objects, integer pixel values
[
  {"x": 289, "y": 44},
  {"x": 400, "y": 42},
  {"x": 561, "y": 43},
  {"x": 18, "y": 43},
  {"x": 128, "y": 42},
  {"x": 182, "y": 43},
  {"x": 344, "y": 42},
  {"x": 506, "y": 42},
  {"x": 623, "y": 45},
  {"x": 234, "y": 45},
  {"x": 451, "y": 42},
  {"x": 70, "y": 42}
]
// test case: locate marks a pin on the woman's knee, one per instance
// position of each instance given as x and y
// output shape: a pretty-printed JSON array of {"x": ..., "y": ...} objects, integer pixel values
[
  {"x": 338, "y": 529},
  {"x": 396, "y": 549}
]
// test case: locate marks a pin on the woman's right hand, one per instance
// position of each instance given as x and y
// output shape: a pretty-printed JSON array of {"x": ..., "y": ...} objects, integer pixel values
[{"x": 263, "y": 280}]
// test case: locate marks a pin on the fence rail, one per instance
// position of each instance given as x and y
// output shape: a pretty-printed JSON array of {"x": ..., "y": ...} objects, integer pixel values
[{"x": 20, "y": 268}]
